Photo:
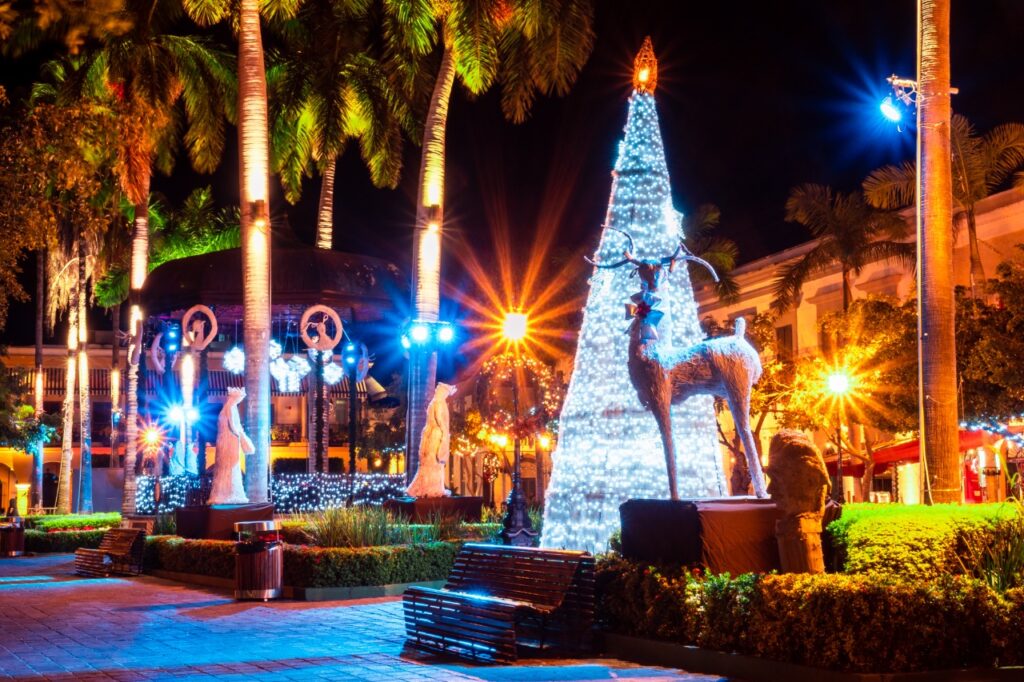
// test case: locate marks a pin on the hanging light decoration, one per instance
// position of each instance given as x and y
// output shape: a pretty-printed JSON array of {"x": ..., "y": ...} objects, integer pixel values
[{"x": 234, "y": 360}]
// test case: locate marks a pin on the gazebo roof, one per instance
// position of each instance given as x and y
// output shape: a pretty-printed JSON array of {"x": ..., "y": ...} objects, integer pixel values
[{"x": 302, "y": 276}]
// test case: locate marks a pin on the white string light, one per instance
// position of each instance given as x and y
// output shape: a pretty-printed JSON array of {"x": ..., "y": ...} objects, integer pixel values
[{"x": 609, "y": 448}]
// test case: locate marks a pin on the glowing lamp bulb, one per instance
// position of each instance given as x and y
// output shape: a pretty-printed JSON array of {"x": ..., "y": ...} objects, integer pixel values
[
  {"x": 838, "y": 383},
  {"x": 176, "y": 413},
  {"x": 515, "y": 325},
  {"x": 445, "y": 334},
  {"x": 643, "y": 75},
  {"x": 406, "y": 344},
  {"x": 151, "y": 436},
  {"x": 193, "y": 415},
  {"x": 544, "y": 442},
  {"x": 890, "y": 110},
  {"x": 433, "y": 227},
  {"x": 419, "y": 333}
]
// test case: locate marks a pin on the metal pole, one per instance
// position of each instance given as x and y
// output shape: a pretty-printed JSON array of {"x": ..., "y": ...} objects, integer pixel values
[
  {"x": 517, "y": 527},
  {"x": 352, "y": 433},
  {"x": 840, "y": 497},
  {"x": 318, "y": 420}
]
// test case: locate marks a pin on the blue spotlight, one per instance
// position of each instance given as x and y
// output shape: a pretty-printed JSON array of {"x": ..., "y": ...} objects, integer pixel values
[
  {"x": 445, "y": 334},
  {"x": 890, "y": 110},
  {"x": 176, "y": 413}
]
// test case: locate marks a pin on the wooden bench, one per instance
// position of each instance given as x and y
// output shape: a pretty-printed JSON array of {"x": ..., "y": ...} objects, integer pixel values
[
  {"x": 120, "y": 552},
  {"x": 498, "y": 598}
]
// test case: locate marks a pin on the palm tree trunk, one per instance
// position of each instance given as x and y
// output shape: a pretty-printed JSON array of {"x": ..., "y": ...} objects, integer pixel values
[
  {"x": 977, "y": 269},
  {"x": 37, "y": 452},
  {"x": 84, "y": 407},
  {"x": 115, "y": 370},
  {"x": 325, "y": 212},
  {"x": 936, "y": 312},
  {"x": 254, "y": 166},
  {"x": 139, "y": 268},
  {"x": 427, "y": 255},
  {"x": 67, "y": 437}
]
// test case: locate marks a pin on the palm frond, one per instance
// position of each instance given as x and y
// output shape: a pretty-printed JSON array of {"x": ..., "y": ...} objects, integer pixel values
[
  {"x": 474, "y": 42},
  {"x": 207, "y": 12},
  {"x": 792, "y": 276},
  {"x": 892, "y": 187}
]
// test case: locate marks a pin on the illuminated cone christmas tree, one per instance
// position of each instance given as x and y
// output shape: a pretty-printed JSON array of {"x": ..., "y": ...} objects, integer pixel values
[{"x": 609, "y": 448}]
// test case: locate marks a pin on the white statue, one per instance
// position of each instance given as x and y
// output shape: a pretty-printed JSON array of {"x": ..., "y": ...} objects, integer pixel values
[
  {"x": 232, "y": 443},
  {"x": 177, "y": 465},
  {"x": 434, "y": 443}
]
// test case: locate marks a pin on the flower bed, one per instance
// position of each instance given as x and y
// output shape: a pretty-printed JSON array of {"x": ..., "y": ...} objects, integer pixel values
[
  {"x": 65, "y": 522},
  {"x": 310, "y": 566},
  {"x": 855, "y": 623},
  {"x": 910, "y": 541},
  {"x": 62, "y": 541}
]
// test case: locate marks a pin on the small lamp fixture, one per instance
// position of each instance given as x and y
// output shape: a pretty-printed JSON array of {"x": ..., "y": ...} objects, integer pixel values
[{"x": 645, "y": 69}]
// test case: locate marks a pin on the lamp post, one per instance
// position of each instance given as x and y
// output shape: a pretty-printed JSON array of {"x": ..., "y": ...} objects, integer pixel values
[
  {"x": 517, "y": 529},
  {"x": 838, "y": 384}
]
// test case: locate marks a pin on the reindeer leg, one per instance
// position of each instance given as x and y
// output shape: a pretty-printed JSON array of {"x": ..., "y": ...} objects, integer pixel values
[
  {"x": 662, "y": 415},
  {"x": 739, "y": 405}
]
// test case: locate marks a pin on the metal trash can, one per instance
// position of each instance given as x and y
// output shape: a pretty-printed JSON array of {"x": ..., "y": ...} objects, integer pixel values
[
  {"x": 259, "y": 560},
  {"x": 12, "y": 537}
]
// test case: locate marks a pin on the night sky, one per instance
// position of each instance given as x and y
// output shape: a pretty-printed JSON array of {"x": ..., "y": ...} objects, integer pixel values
[{"x": 754, "y": 97}]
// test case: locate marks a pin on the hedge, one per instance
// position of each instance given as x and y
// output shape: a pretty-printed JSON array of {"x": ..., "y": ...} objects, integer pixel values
[
  {"x": 62, "y": 541},
  {"x": 854, "y": 623},
  {"x": 294, "y": 532},
  {"x": 909, "y": 541},
  {"x": 306, "y": 566},
  {"x": 74, "y": 521}
]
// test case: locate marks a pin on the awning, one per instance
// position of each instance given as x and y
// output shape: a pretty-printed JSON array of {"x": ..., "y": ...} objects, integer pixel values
[{"x": 910, "y": 451}]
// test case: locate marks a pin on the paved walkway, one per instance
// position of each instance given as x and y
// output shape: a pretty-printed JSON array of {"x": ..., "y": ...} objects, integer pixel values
[{"x": 59, "y": 627}]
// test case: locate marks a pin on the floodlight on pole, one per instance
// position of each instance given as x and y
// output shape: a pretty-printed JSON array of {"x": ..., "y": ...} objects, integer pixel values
[
  {"x": 890, "y": 110},
  {"x": 838, "y": 383}
]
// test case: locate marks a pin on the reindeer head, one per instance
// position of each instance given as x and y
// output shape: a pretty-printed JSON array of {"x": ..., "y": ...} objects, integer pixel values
[{"x": 650, "y": 269}]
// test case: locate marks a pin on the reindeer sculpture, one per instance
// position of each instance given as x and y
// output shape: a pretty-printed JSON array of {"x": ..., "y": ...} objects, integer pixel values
[{"x": 725, "y": 367}]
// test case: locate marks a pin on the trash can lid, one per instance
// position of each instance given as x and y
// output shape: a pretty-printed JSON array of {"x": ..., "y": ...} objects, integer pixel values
[{"x": 256, "y": 526}]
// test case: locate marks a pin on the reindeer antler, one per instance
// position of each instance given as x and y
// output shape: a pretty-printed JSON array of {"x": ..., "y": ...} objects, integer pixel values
[
  {"x": 628, "y": 259},
  {"x": 684, "y": 251}
]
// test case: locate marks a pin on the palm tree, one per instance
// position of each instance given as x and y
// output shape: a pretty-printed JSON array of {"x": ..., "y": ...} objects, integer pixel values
[
  {"x": 940, "y": 438},
  {"x": 528, "y": 47},
  {"x": 254, "y": 167},
  {"x": 327, "y": 90},
  {"x": 981, "y": 164},
  {"x": 721, "y": 252},
  {"x": 848, "y": 233}
]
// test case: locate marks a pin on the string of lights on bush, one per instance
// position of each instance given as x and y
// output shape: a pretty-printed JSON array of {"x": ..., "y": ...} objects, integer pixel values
[
  {"x": 291, "y": 493},
  {"x": 299, "y": 493},
  {"x": 507, "y": 366},
  {"x": 609, "y": 448}
]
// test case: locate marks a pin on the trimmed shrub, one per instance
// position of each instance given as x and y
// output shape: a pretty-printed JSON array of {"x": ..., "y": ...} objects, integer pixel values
[
  {"x": 910, "y": 541},
  {"x": 297, "y": 532},
  {"x": 306, "y": 566},
  {"x": 61, "y": 541},
  {"x": 857, "y": 623},
  {"x": 203, "y": 557},
  {"x": 74, "y": 521}
]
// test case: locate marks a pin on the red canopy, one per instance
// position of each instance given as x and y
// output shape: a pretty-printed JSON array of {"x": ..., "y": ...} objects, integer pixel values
[{"x": 908, "y": 451}]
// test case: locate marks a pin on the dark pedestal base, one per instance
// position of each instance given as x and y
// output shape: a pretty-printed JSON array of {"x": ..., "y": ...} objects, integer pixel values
[
  {"x": 217, "y": 522},
  {"x": 422, "y": 509},
  {"x": 734, "y": 534}
]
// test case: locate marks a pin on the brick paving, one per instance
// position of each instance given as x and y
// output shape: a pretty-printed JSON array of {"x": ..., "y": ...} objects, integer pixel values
[{"x": 56, "y": 626}]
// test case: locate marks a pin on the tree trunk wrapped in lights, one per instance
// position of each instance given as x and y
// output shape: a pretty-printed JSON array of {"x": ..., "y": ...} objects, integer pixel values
[
  {"x": 254, "y": 166},
  {"x": 36, "y": 501},
  {"x": 940, "y": 442},
  {"x": 84, "y": 505},
  {"x": 137, "y": 277},
  {"x": 609, "y": 448},
  {"x": 63, "y": 503},
  {"x": 325, "y": 209},
  {"x": 427, "y": 255}
]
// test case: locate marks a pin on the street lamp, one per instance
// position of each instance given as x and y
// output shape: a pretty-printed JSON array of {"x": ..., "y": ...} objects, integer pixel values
[
  {"x": 838, "y": 384},
  {"x": 517, "y": 529}
]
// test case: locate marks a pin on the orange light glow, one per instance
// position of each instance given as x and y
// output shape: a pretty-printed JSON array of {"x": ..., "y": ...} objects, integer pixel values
[
  {"x": 645, "y": 68},
  {"x": 516, "y": 325}
]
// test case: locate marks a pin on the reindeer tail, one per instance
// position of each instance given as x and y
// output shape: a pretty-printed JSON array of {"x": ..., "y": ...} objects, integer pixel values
[{"x": 740, "y": 327}]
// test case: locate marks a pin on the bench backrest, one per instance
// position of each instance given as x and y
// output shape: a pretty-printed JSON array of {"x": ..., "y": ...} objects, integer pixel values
[
  {"x": 539, "y": 576},
  {"x": 120, "y": 540}
]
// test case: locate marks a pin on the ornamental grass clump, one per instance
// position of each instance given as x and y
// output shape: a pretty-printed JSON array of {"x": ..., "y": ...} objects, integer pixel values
[
  {"x": 995, "y": 554},
  {"x": 361, "y": 526}
]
